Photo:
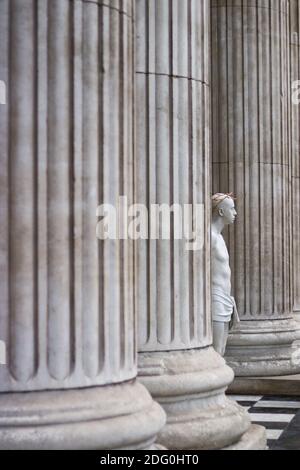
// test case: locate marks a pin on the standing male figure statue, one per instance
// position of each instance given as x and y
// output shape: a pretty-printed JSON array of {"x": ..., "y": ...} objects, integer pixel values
[{"x": 223, "y": 305}]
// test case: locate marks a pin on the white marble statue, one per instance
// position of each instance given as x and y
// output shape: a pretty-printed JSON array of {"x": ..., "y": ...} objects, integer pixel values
[{"x": 223, "y": 305}]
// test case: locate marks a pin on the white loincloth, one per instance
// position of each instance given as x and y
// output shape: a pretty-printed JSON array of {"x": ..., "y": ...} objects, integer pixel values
[{"x": 223, "y": 307}]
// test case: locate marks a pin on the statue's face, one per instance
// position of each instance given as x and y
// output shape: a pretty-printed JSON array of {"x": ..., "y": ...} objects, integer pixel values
[{"x": 227, "y": 211}]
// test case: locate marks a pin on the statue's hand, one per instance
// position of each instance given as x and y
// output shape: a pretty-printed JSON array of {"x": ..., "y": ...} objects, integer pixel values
[{"x": 235, "y": 319}]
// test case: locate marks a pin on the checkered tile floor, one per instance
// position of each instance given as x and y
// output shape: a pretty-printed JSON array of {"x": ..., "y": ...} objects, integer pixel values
[{"x": 279, "y": 415}]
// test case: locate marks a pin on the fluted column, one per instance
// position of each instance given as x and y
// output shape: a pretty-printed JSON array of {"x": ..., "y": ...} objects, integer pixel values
[
  {"x": 67, "y": 304},
  {"x": 295, "y": 148},
  {"x": 176, "y": 361},
  {"x": 251, "y": 157}
]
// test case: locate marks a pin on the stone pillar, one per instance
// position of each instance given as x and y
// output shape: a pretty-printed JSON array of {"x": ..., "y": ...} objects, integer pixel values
[
  {"x": 251, "y": 157},
  {"x": 176, "y": 361},
  {"x": 67, "y": 304},
  {"x": 295, "y": 151}
]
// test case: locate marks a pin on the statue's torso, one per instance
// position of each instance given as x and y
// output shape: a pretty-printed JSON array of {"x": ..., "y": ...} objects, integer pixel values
[{"x": 221, "y": 273}]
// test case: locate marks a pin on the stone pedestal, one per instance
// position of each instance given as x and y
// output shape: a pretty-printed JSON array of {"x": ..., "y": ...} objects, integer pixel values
[
  {"x": 251, "y": 157},
  {"x": 176, "y": 361},
  {"x": 67, "y": 304}
]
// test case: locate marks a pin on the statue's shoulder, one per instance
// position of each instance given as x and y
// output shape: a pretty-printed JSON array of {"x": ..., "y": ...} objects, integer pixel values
[{"x": 217, "y": 240}]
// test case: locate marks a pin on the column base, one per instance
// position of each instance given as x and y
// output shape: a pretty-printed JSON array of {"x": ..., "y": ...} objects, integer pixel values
[
  {"x": 190, "y": 386},
  {"x": 264, "y": 348},
  {"x": 122, "y": 416},
  {"x": 253, "y": 439},
  {"x": 297, "y": 320}
]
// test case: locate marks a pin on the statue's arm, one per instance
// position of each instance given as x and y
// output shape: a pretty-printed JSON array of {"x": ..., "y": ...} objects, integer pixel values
[{"x": 213, "y": 241}]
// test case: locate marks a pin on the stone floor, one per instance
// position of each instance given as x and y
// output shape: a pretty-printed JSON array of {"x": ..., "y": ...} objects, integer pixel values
[{"x": 280, "y": 415}]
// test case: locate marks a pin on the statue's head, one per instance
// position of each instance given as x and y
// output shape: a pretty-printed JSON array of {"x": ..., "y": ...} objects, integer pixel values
[{"x": 223, "y": 206}]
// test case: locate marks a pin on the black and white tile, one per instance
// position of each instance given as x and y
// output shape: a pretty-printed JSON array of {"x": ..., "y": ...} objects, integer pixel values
[{"x": 279, "y": 415}]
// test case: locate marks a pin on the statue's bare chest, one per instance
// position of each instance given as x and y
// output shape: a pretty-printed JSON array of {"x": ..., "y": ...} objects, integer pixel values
[{"x": 219, "y": 251}]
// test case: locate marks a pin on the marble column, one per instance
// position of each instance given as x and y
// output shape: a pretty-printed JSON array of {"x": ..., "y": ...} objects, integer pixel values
[
  {"x": 176, "y": 361},
  {"x": 295, "y": 151},
  {"x": 251, "y": 157},
  {"x": 67, "y": 303}
]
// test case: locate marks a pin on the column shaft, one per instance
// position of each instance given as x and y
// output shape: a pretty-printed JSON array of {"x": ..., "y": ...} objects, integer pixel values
[{"x": 173, "y": 168}]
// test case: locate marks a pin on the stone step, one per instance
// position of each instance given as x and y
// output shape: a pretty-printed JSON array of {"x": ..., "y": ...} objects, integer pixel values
[{"x": 287, "y": 385}]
